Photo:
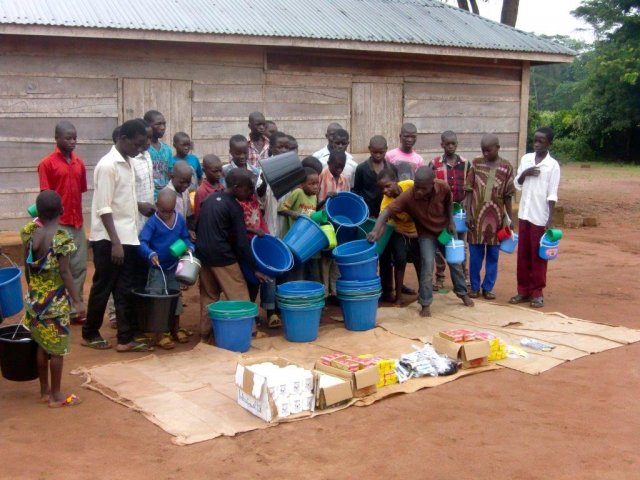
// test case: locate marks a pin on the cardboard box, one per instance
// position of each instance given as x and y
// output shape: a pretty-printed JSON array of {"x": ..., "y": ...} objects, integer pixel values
[
  {"x": 363, "y": 382},
  {"x": 472, "y": 354},
  {"x": 333, "y": 395},
  {"x": 254, "y": 395}
]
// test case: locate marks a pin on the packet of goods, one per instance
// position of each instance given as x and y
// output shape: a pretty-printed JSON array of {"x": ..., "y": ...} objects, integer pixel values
[
  {"x": 289, "y": 386},
  {"x": 346, "y": 364},
  {"x": 459, "y": 335},
  {"x": 327, "y": 359},
  {"x": 424, "y": 361},
  {"x": 536, "y": 345},
  {"x": 385, "y": 366},
  {"x": 484, "y": 336},
  {"x": 498, "y": 350}
]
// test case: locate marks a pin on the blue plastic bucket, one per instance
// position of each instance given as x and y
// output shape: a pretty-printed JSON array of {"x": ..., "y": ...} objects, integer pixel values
[
  {"x": 233, "y": 333},
  {"x": 351, "y": 285},
  {"x": 347, "y": 209},
  {"x": 365, "y": 270},
  {"x": 11, "y": 300},
  {"x": 305, "y": 238},
  {"x": 548, "y": 250},
  {"x": 509, "y": 245},
  {"x": 355, "y": 251},
  {"x": 300, "y": 288},
  {"x": 454, "y": 251},
  {"x": 272, "y": 256},
  {"x": 232, "y": 322},
  {"x": 359, "y": 314},
  {"x": 301, "y": 324},
  {"x": 460, "y": 219}
]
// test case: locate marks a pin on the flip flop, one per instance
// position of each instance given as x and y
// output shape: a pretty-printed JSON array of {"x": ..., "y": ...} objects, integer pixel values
[
  {"x": 71, "y": 401},
  {"x": 186, "y": 331},
  {"x": 134, "y": 347},
  {"x": 97, "y": 344}
]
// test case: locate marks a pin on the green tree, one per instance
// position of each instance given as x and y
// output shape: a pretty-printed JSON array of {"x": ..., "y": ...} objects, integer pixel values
[{"x": 608, "y": 112}]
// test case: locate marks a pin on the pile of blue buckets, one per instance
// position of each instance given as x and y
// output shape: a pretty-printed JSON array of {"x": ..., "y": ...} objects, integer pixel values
[{"x": 301, "y": 303}]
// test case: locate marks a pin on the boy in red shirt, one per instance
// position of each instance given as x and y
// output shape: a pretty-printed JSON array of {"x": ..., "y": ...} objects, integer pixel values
[{"x": 64, "y": 172}]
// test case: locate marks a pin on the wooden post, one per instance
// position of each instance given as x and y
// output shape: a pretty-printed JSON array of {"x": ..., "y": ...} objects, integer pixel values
[{"x": 524, "y": 111}]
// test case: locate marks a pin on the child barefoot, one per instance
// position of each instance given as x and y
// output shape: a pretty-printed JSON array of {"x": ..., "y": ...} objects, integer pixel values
[{"x": 50, "y": 284}]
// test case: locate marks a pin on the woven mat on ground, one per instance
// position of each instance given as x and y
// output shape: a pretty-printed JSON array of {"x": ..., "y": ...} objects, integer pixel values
[{"x": 192, "y": 395}]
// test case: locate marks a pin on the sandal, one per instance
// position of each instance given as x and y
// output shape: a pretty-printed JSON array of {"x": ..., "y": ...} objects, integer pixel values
[
  {"x": 537, "y": 302},
  {"x": 274, "y": 321},
  {"x": 186, "y": 331},
  {"x": 180, "y": 337},
  {"x": 144, "y": 339},
  {"x": 466, "y": 300},
  {"x": 488, "y": 295},
  {"x": 97, "y": 344},
  {"x": 165, "y": 342},
  {"x": 519, "y": 299},
  {"x": 71, "y": 401},
  {"x": 133, "y": 347}
]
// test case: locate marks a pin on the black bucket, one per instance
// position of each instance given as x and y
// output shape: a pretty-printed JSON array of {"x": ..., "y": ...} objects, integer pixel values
[
  {"x": 18, "y": 354},
  {"x": 283, "y": 173},
  {"x": 155, "y": 311}
]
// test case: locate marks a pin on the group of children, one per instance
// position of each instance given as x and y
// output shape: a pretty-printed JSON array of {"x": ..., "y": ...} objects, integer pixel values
[{"x": 146, "y": 197}]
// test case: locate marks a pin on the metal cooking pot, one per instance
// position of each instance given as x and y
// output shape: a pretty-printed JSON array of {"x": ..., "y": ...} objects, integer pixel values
[{"x": 188, "y": 269}]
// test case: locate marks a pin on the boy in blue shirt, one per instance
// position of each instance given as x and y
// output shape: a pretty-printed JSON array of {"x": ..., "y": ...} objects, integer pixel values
[
  {"x": 159, "y": 233},
  {"x": 182, "y": 144},
  {"x": 160, "y": 153}
]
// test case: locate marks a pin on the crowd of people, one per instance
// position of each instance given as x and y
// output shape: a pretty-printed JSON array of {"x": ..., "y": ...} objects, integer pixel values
[{"x": 148, "y": 195}]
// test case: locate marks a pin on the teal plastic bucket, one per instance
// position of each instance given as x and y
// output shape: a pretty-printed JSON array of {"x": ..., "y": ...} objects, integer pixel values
[
  {"x": 305, "y": 238},
  {"x": 460, "y": 221},
  {"x": 454, "y": 251},
  {"x": 359, "y": 314},
  {"x": 232, "y": 309},
  {"x": 548, "y": 250},
  {"x": 301, "y": 324},
  {"x": 232, "y": 322},
  {"x": 365, "y": 270},
  {"x": 381, "y": 244},
  {"x": 347, "y": 209},
  {"x": 11, "y": 299},
  {"x": 509, "y": 245}
]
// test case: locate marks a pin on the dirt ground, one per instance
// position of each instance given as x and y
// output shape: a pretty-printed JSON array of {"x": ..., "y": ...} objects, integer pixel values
[{"x": 579, "y": 420}]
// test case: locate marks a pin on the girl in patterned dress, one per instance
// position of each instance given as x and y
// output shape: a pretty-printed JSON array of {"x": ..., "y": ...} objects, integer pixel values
[
  {"x": 50, "y": 284},
  {"x": 489, "y": 191}
]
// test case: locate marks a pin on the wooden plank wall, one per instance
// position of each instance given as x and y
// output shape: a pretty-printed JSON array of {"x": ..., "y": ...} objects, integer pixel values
[{"x": 98, "y": 84}]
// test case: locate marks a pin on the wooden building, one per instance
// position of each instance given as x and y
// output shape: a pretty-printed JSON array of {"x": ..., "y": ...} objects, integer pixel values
[{"x": 386, "y": 62}]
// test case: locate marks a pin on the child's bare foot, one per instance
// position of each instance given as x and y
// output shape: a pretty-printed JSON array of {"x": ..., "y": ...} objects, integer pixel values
[
  {"x": 426, "y": 311},
  {"x": 44, "y": 396},
  {"x": 60, "y": 400}
]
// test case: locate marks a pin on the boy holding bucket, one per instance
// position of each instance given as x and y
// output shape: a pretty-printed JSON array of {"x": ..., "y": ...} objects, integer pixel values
[
  {"x": 429, "y": 203},
  {"x": 303, "y": 201},
  {"x": 162, "y": 229},
  {"x": 538, "y": 178},
  {"x": 221, "y": 243},
  {"x": 489, "y": 188},
  {"x": 403, "y": 243},
  {"x": 453, "y": 169},
  {"x": 331, "y": 181}
]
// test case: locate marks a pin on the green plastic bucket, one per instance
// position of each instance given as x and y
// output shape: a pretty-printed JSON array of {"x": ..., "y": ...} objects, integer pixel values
[
  {"x": 320, "y": 217},
  {"x": 382, "y": 242}
]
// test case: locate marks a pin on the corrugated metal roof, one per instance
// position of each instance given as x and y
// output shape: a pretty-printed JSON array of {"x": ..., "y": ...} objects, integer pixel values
[{"x": 418, "y": 22}]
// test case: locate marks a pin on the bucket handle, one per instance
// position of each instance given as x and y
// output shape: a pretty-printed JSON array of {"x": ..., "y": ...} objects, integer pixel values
[
  {"x": 10, "y": 261},
  {"x": 166, "y": 291}
]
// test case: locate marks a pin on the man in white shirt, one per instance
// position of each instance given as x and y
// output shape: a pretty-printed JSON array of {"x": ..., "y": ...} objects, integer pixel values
[
  {"x": 114, "y": 239},
  {"x": 338, "y": 139},
  {"x": 538, "y": 178}
]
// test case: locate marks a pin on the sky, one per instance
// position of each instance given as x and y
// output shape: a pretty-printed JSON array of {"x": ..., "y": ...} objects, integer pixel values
[{"x": 547, "y": 17}]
